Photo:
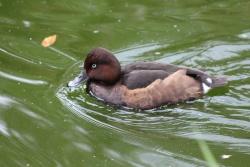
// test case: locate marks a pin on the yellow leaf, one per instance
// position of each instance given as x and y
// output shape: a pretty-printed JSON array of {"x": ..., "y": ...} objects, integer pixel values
[{"x": 48, "y": 41}]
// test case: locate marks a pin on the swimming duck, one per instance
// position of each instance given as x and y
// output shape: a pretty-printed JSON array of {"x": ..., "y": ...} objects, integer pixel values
[{"x": 142, "y": 85}]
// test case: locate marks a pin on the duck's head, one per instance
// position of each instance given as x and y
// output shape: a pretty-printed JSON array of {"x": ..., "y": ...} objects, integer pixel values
[{"x": 102, "y": 66}]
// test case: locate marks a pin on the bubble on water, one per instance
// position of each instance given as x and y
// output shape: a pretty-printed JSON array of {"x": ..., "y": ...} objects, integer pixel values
[
  {"x": 157, "y": 53},
  {"x": 26, "y": 23},
  {"x": 96, "y": 31},
  {"x": 225, "y": 156},
  {"x": 84, "y": 86}
]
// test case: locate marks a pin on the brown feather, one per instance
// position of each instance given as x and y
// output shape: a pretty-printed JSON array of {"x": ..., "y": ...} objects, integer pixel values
[{"x": 177, "y": 87}]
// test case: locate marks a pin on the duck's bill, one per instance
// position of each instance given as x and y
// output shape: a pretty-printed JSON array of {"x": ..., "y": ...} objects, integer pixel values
[{"x": 78, "y": 80}]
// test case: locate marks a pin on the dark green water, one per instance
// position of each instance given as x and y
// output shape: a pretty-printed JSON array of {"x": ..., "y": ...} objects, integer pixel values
[{"x": 43, "y": 123}]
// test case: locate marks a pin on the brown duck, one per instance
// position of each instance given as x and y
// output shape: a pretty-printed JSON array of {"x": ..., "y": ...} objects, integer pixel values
[{"x": 142, "y": 85}]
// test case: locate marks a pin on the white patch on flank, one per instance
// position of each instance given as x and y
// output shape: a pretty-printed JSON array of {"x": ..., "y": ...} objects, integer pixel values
[
  {"x": 205, "y": 88},
  {"x": 209, "y": 80}
]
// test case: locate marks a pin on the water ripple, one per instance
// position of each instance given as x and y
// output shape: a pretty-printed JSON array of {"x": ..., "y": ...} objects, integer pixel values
[
  {"x": 212, "y": 119},
  {"x": 21, "y": 79},
  {"x": 16, "y": 56}
]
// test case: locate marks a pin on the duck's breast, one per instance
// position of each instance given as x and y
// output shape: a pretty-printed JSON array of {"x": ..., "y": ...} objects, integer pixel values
[{"x": 111, "y": 94}]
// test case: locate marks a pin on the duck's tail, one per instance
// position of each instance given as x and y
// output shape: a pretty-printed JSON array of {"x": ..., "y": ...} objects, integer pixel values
[
  {"x": 218, "y": 81},
  {"x": 207, "y": 82},
  {"x": 213, "y": 82}
]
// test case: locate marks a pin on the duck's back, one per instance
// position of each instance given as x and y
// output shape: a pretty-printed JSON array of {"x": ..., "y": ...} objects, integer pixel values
[{"x": 142, "y": 74}]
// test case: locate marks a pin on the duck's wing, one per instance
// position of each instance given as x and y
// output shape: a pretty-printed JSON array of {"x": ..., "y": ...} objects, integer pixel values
[
  {"x": 141, "y": 74},
  {"x": 142, "y": 78}
]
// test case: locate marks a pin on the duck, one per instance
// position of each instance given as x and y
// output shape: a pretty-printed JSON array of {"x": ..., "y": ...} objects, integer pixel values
[{"x": 142, "y": 85}]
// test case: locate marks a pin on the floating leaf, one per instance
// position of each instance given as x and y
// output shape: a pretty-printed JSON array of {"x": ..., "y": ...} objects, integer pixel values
[{"x": 48, "y": 41}]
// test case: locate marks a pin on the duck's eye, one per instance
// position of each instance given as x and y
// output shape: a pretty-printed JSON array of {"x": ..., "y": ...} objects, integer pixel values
[{"x": 93, "y": 66}]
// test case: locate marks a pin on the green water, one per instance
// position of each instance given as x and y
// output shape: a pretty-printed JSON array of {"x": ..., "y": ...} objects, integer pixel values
[{"x": 43, "y": 123}]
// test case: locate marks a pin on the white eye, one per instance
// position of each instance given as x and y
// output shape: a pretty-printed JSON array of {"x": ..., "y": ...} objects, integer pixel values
[{"x": 93, "y": 66}]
